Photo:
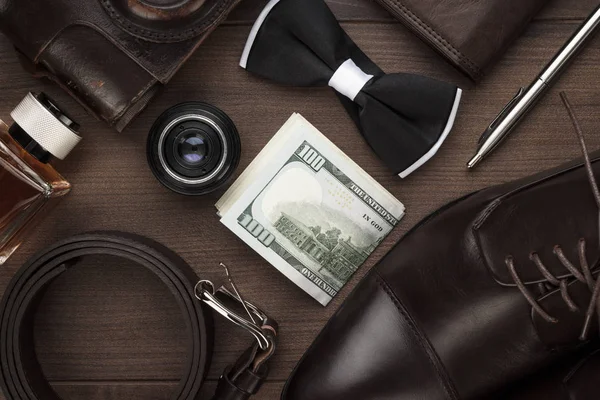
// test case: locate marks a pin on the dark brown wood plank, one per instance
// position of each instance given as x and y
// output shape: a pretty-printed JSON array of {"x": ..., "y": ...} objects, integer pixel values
[
  {"x": 115, "y": 323},
  {"x": 346, "y": 10},
  {"x": 371, "y": 11},
  {"x": 142, "y": 323},
  {"x": 568, "y": 9},
  {"x": 145, "y": 391},
  {"x": 122, "y": 390}
]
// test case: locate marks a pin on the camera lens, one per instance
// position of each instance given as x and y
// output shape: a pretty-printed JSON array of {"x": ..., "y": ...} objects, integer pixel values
[{"x": 193, "y": 148}]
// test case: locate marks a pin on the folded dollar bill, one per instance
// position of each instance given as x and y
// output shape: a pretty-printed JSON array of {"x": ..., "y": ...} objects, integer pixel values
[{"x": 309, "y": 210}]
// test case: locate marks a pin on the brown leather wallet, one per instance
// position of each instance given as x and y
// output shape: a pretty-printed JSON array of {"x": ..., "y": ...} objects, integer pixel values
[
  {"x": 113, "y": 56},
  {"x": 471, "y": 35}
]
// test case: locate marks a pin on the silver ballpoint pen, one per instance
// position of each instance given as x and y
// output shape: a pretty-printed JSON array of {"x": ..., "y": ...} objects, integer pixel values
[{"x": 525, "y": 99}]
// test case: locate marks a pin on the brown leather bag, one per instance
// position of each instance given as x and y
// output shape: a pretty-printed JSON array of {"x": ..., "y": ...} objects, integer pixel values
[
  {"x": 113, "y": 56},
  {"x": 472, "y": 35}
]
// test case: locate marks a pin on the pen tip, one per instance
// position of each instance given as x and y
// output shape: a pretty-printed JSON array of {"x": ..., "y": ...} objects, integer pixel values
[{"x": 474, "y": 161}]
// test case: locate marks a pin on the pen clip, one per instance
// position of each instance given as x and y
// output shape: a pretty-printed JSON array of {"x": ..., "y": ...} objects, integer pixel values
[{"x": 501, "y": 115}]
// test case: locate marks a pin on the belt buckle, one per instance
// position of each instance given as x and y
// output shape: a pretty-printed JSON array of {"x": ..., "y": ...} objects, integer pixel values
[{"x": 222, "y": 300}]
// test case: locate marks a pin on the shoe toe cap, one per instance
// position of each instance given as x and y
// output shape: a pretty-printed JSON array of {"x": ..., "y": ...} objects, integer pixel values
[{"x": 369, "y": 350}]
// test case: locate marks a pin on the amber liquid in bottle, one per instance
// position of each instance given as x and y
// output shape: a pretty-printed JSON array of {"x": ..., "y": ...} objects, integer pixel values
[{"x": 29, "y": 188}]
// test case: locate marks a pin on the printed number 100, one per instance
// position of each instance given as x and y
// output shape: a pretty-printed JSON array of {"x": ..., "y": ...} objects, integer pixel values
[{"x": 311, "y": 157}]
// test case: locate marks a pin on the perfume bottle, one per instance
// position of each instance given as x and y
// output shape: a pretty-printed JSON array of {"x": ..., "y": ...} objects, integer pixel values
[{"x": 29, "y": 185}]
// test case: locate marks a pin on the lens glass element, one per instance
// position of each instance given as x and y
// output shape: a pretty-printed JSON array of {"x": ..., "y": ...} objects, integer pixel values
[{"x": 193, "y": 149}]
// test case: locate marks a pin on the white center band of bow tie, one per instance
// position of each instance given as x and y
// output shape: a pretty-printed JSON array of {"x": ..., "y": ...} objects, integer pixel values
[{"x": 349, "y": 79}]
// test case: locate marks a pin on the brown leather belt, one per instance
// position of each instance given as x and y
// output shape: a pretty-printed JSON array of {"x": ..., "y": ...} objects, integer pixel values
[{"x": 21, "y": 376}]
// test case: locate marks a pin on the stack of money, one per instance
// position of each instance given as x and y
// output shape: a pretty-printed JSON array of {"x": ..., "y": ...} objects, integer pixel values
[{"x": 309, "y": 210}]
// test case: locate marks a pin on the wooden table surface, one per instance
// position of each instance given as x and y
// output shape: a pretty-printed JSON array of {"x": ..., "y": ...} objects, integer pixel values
[{"x": 111, "y": 331}]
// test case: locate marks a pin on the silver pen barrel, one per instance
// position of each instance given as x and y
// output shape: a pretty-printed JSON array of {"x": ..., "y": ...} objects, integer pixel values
[
  {"x": 508, "y": 120},
  {"x": 570, "y": 49},
  {"x": 514, "y": 112}
]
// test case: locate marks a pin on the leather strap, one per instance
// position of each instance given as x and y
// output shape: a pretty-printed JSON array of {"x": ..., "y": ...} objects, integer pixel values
[{"x": 20, "y": 374}]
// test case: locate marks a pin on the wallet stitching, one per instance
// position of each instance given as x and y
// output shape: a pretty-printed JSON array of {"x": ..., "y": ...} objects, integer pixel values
[
  {"x": 423, "y": 341},
  {"x": 218, "y": 14},
  {"x": 447, "y": 45},
  {"x": 135, "y": 99}
]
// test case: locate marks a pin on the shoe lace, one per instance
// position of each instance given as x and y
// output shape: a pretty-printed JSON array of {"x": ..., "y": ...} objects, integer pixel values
[{"x": 583, "y": 275}]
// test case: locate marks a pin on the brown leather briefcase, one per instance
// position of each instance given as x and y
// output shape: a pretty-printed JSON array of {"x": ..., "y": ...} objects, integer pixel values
[{"x": 113, "y": 56}]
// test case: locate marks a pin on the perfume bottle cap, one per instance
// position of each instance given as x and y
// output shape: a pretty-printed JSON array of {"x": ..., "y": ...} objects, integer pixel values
[{"x": 49, "y": 127}]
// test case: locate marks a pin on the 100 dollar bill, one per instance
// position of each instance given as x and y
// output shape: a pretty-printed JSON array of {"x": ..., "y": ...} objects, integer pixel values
[{"x": 309, "y": 210}]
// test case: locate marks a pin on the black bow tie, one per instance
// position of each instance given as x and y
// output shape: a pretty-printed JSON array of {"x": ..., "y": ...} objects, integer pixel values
[{"x": 403, "y": 117}]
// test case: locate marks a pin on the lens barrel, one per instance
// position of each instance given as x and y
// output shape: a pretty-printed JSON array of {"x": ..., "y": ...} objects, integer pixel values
[{"x": 193, "y": 148}]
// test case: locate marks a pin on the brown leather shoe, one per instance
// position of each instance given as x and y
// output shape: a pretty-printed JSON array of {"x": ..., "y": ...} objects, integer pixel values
[
  {"x": 484, "y": 292},
  {"x": 575, "y": 380}
]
